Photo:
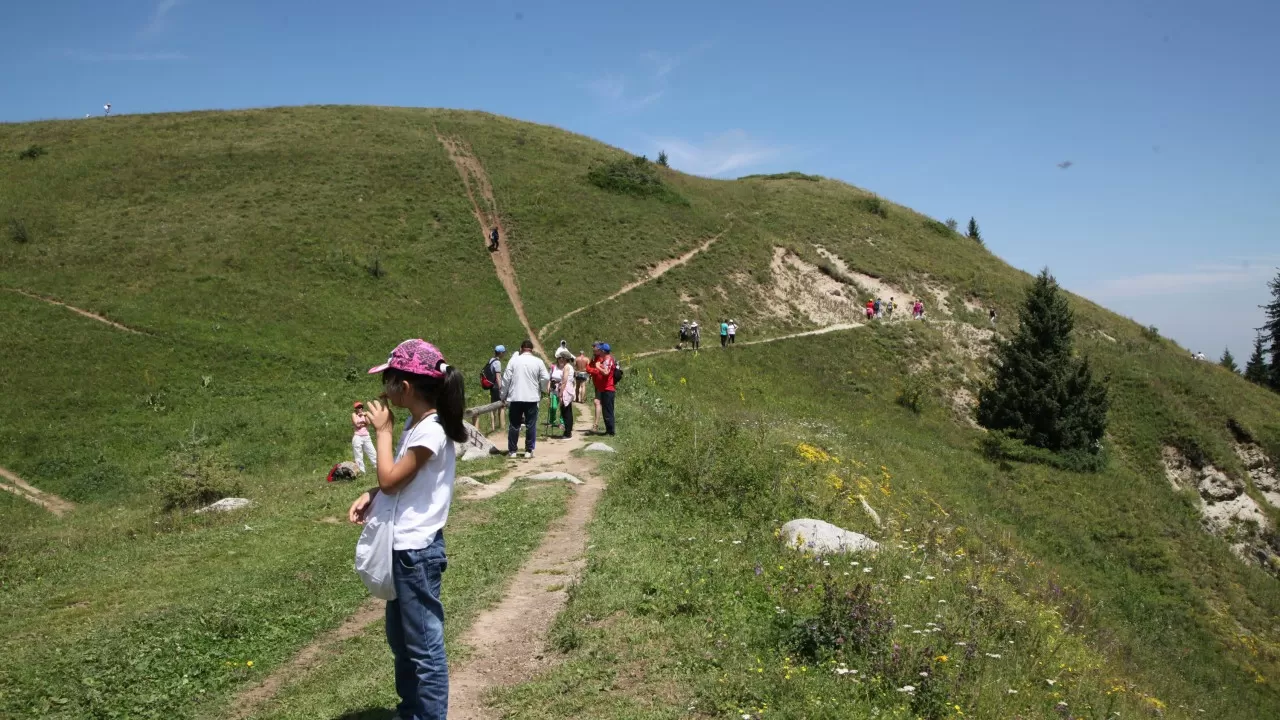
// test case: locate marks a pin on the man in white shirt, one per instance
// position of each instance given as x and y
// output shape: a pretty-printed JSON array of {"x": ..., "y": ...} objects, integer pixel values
[{"x": 523, "y": 383}]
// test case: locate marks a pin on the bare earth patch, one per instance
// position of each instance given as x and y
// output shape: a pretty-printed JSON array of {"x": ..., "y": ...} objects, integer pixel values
[
  {"x": 1226, "y": 508},
  {"x": 83, "y": 313},
  {"x": 801, "y": 285},
  {"x": 16, "y": 485}
]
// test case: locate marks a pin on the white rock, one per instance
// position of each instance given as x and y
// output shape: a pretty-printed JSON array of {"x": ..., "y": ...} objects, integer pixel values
[
  {"x": 465, "y": 481},
  {"x": 473, "y": 453},
  {"x": 600, "y": 447},
  {"x": 554, "y": 476},
  {"x": 476, "y": 440},
  {"x": 866, "y": 507},
  {"x": 226, "y": 505},
  {"x": 821, "y": 538}
]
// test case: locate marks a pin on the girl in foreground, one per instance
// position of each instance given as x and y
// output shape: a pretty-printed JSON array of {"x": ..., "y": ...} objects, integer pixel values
[{"x": 418, "y": 480}]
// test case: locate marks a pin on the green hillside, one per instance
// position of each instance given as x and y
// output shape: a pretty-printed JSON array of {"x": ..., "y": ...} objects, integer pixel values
[{"x": 266, "y": 258}]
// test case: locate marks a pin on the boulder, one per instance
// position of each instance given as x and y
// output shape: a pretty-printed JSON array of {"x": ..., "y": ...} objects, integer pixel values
[
  {"x": 554, "y": 476},
  {"x": 473, "y": 453},
  {"x": 226, "y": 505},
  {"x": 465, "y": 481},
  {"x": 477, "y": 441},
  {"x": 600, "y": 447},
  {"x": 821, "y": 538}
]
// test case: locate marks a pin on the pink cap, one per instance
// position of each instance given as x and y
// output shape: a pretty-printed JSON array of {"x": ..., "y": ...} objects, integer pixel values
[{"x": 414, "y": 356}]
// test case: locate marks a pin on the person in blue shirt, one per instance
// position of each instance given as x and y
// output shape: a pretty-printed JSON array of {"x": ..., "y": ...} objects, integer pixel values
[{"x": 724, "y": 333}]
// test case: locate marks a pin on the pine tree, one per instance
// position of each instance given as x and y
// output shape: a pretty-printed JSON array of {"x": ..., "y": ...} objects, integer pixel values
[
  {"x": 662, "y": 158},
  {"x": 1228, "y": 361},
  {"x": 1041, "y": 393},
  {"x": 1256, "y": 369},
  {"x": 1271, "y": 331},
  {"x": 973, "y": 231}
]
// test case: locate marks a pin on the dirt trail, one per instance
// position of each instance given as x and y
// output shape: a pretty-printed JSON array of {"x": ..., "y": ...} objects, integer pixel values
[
  {"x": 547, "y": 455},
  {"x": 476, "y": 182},
  {"x": 76, "y": 310},
  {"x": 26, "y": 491},
  {"x": 656, "y": 272},
  {"x": 251, "y": 700},
  {"x": 820, "y": 331},
  {"x": 508, "y": 641}
]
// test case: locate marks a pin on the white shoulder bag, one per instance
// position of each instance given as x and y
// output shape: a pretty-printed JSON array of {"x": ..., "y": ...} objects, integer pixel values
[{"x": 373, "y": 550}]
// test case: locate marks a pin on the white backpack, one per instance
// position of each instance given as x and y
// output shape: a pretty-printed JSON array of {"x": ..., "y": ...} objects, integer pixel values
[{"x": 373, "y": 550}]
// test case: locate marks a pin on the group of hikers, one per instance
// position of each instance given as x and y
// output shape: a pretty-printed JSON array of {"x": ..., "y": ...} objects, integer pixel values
[
  {"x": 691, "y": 334},
  {"x": 877, "y": 309}
]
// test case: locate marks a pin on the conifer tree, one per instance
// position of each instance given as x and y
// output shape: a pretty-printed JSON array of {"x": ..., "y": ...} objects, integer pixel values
[
  {"x": 973, "y": 231},
  {"x": 1040, "y": 392},
  {"x": 1256, "y": 369},
  {"x": 1228, "y": 361},
  {"x": 1271, "y": 333}
]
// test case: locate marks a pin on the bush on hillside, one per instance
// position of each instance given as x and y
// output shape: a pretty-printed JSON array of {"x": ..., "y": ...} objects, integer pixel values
[
  {"x": 973, "y": 233},
  {"x": 32, "y": 152},
  {"x": 874, "y": 206},
  {"x": 793, "y": 175},
  {"x": 1152, "y": 333},
  {"x": 635, "y": 176},
  {"x": 952, "y": 225},
  {"x": 18, "y": 232},
  {"x": 662, "y": 158},
  {"x": 201, "y": 477},
  {"x": 999, "y": 446},
  {"x": 937, "y": 227},
  {"x": 1041, "y": 393}
]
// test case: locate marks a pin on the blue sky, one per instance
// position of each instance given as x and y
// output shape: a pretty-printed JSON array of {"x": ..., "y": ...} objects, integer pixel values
[{"x": 1166, "y": 109}]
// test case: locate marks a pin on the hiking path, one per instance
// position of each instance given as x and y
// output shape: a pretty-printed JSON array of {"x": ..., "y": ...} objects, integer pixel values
[
  {"x": 479, "y": 190},
  {"x": 16, "y": 485},
  {"x": 654, "y": 273},
  {"x": 83, "y": 313}
]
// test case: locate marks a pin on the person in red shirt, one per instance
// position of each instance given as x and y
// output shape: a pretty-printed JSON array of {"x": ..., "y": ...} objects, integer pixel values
[
  {"x": 601, "y": 370},
  {"x": 871, "y": 309}
]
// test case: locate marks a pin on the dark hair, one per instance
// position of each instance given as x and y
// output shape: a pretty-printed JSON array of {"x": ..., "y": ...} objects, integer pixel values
[
  {"x": 446, "y": 394},
  {"x": 526, "y": 344}
]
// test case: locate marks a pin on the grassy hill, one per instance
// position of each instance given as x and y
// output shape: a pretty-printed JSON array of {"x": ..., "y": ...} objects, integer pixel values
[{"x": 265, "y": 258}]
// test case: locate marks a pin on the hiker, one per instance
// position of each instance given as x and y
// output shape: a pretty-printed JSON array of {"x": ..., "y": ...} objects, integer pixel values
[
  {"x": 106, "y": 109},
  {"x": 724, "y": 333},
  {"x": 567, "y": 391},
  {"x": 580, "y": 376},
  {"x": 878, "y": 309},
  {"x": 733, "y": 331},
  {"x": 491, "y": 380},
  {"x": 559, "y": 378},
  {"x": 695, "y": 335},
  {"x": 493, "y": 240},
  {"x": 361, "y": 445},
  {"x": 991, "y": 315},
  {"x": 917, "y": 310},
  {"x": 871, "y": 309},
  {"x": 684, "y": 332},
  {"x": 602, "y": 375},
  {"x": 523, "y": 383},
  {"x": 411, "y": 503},
  {"x": 889, "y": 308}
]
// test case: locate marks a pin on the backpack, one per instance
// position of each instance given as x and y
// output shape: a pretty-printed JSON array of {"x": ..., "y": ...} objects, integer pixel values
[
  {"x": 487, "y": 376},
  {"x": 617, "y": 374}
]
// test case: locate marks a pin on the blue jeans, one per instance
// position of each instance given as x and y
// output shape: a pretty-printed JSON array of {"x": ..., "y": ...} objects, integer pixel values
[
  {"x": 522, "y": 413},
  {"x": 415, "y": 632}
]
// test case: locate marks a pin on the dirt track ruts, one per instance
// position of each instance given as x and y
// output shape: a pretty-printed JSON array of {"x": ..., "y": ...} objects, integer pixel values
[{"x": 26, "y": 491}]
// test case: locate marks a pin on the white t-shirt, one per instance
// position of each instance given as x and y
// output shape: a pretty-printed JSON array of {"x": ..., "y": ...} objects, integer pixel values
[{"x": 422, "y": 505}]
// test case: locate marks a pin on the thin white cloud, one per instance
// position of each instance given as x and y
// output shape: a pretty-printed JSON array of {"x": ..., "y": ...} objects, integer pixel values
[
  {"x": 1175, "y": 283},
  {"x": 159, "y": 15},
  {"x": 726, "y": 152},
  {"x": 612, "y": 92},
  {"x": 95, "y": 56},
  {"x": 632, "y": 91}
]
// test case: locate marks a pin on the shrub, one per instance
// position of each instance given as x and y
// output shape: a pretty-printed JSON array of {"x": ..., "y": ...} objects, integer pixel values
[
  {"x": 662, "y": 158},
  {"x": 874, "y": 206},
  {"x": 32, "y": 152},
  {"x": 952, "y": 225},
  {"x": 18, "y": 232},
  {"x": 999, "y": 446},
  {"x": 793, "y": 175},
  {"x": 201, "y": 478},
  {"x": 913, "y": 396},
  {"x": 635, "y": 176},
  {"x": 938, "y": 227},
  {"x": 974, "y": 234},
  {"x": 375, "y": 269},
  {"x": 1152, "y": 333},
  {"x": 848, "y": 623}
]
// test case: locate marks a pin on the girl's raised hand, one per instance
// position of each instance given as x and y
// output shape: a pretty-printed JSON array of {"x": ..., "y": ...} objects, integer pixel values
[{"x": 380, "y": 415}]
